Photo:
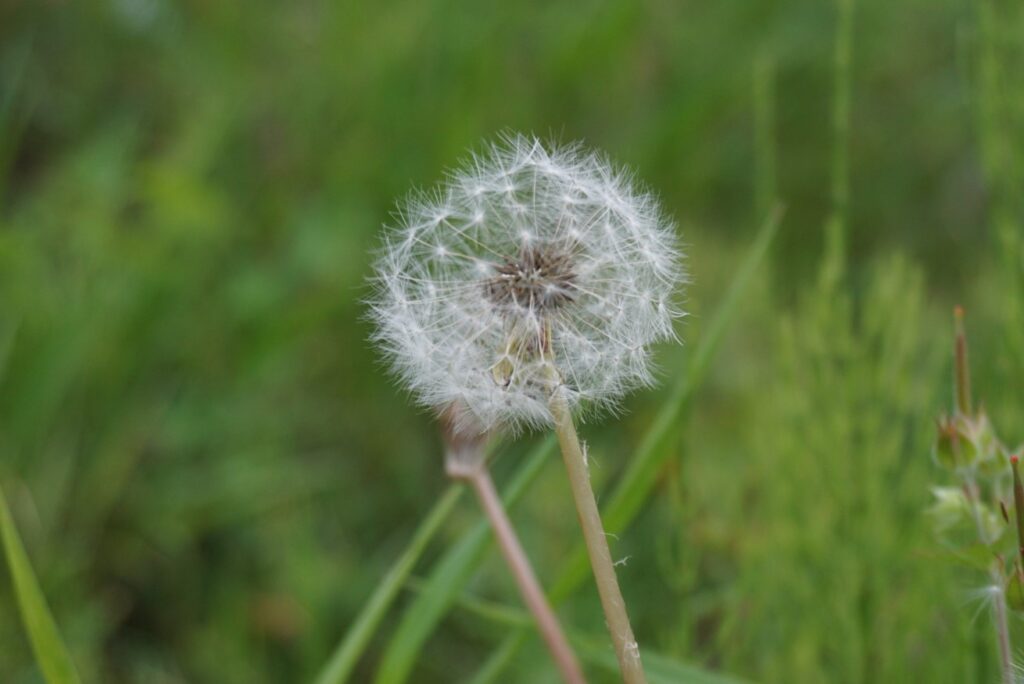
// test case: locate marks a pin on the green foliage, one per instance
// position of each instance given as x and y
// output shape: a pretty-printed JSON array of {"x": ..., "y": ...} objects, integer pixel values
[
  {"x": 831, "y": 444},
  {"x": 49, "y": 649},
  {"x": 344, "y": 658},
  {"x": 212, "y": 475}
]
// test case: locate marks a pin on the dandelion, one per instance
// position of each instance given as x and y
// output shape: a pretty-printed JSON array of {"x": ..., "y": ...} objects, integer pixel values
[
  {"x": 528, "y": 289},
  {"x": 530, "y": 259}
]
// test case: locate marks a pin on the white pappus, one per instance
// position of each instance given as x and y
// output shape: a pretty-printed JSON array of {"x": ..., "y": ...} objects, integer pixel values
[{"x": 532, "y": 267}]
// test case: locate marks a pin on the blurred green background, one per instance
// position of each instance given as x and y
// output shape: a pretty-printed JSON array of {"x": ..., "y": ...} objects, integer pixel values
[{"x": 208, "y": 465}]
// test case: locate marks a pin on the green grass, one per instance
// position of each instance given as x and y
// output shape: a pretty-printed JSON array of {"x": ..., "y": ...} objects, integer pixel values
[
  {"x": 47, "y": 645},
  {"x": 359, "y": 633},
  {"x": 216, "y": 481}
]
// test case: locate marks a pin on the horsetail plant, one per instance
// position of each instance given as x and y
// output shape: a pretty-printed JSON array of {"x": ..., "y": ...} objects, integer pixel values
[
  {"x": 529, "y": 289},
  {"x": 971, "y": 518}
]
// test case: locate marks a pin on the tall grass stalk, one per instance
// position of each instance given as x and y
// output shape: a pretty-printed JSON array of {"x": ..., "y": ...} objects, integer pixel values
[{"x": 841, "y": 114}]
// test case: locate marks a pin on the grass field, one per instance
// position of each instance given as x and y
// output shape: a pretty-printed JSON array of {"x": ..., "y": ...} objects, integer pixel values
[{"x": 211, "y": 472}]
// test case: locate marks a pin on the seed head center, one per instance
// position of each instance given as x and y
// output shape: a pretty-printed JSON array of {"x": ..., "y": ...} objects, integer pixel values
[{"x": 539, "y": 280}]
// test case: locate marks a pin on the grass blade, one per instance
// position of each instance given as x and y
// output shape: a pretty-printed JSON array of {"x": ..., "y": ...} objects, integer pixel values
[
  {"x": 660, "y": 669},
  {"x": 346, "y": 655},
  {"x": 501, "y": 657},
  {"x": 51, "y": 654},
  {"x": 448, "y": 578}
]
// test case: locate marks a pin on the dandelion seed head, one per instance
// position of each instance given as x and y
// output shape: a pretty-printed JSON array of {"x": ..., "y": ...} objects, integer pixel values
[{"x": 527, "y": 260}]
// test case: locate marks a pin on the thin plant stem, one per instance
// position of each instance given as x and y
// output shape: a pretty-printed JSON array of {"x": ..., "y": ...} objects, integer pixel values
[
  {"x": 518, "y": 564},
  {"x": 466, "y": 459},
  {"x": 626, "y": 649},
  {"x": 841, "y": 111}
]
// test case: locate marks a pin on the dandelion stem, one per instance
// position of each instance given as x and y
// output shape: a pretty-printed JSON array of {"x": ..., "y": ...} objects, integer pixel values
[
  {"x": 466, "y": 459},
  {"x": 518, "y": 564},
  {"x": 626, "y": 649},
  {"x": 525, "y": 578}
]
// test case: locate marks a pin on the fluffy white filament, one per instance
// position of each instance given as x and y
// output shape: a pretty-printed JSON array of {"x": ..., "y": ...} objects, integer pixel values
[{"x": 529, "y": 268}]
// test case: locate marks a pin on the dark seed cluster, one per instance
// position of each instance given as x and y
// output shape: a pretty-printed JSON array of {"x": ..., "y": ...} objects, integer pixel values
[{"x": 541, "y": 279}]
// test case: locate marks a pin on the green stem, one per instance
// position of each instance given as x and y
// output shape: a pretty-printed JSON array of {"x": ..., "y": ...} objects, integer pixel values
[
  {"x": 626, "y": 649},
  {"x": 841, "y": 111}
]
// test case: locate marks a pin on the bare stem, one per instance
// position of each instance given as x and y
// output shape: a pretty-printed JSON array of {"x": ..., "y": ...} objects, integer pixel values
[
  {"x": 480, "y": 479},
  {"x": 626, "y": 648}
]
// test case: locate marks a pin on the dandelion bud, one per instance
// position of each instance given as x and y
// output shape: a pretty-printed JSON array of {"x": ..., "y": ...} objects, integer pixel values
[
  {"x": 531, "y": 268},
  {"x": 464, "y": 441}
]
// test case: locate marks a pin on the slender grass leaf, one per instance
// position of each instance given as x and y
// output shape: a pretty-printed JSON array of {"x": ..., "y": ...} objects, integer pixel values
[
  {"x": 347, "y": 653},
  {"x": 51, "y": 654},
  {"x": 501, "y": 658},
  {"x": 660, "y": 669}
]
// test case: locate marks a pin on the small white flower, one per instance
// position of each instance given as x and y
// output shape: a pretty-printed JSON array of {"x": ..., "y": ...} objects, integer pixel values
[{"x": 531, "y": 268}]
